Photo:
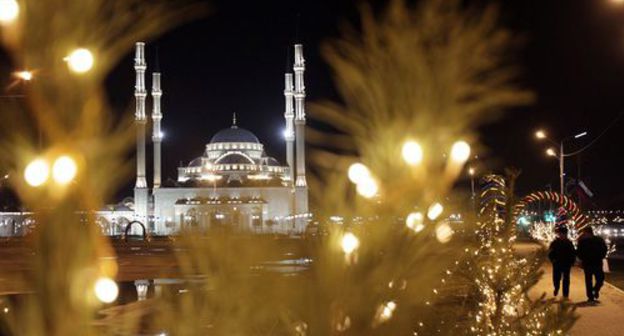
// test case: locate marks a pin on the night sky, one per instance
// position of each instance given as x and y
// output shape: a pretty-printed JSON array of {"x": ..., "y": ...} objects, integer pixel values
[{"x": 234, "y": 59}]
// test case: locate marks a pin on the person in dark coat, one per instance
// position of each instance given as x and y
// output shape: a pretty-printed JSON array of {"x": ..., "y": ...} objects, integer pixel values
[
  {"x": 562, "y": 256},
  {"x": 592, "y": 250}
]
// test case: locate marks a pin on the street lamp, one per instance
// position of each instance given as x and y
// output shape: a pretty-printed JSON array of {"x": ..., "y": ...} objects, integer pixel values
[{"x": 561, "y": 155}]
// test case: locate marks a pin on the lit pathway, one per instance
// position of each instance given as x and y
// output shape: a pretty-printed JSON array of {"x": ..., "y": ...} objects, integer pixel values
[{"x": 604, "y": 319}]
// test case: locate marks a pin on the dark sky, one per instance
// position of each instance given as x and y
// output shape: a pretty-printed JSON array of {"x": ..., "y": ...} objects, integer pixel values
[{"x": 234, "y": 59}]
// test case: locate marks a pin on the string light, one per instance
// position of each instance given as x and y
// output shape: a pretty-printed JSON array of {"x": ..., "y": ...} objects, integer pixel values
[
  {"x": 358, "y": 173},
  {"x": 460, "y": 151},
  {"x": 64, "y": 169},
  {"x": 367, "y": 188},
  {"x": 444, "y": 233},
  {"x": 37, "y": 172},
  {"x": 434, "y": 211},
  {"x": 9, "y": 10},
  {"x": 412, "y": 152},
  {"x": 349, "y": 243},
  {"x": 80, "y": 60},
  {"x": 106, "y": 290},
  {"x": 415, "y": 221},
  {"x": 24, "y": 75}
]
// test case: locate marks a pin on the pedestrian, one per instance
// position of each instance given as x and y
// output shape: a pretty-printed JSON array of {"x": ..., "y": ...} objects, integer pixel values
[
  {"x": 562, "y": 256},
  {"x": 592, "y": 250}
]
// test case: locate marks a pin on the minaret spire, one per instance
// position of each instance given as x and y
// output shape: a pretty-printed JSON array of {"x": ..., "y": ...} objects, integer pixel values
[
  {"x": 234, "y": 120},
  {"x": 140, "y": 93},
  {"x": 289, "y": 131},
  {"x": 301, "y": 187},
  {"x": 156, "y": 131}
]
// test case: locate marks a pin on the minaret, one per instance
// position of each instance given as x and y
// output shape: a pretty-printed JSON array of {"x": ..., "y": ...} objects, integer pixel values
[
  {"x": 140, "y": 188},
  {"x": 301, "y": 188},
  {"x": 156, "y": 132},
  {"x": 289, "y": 132}
]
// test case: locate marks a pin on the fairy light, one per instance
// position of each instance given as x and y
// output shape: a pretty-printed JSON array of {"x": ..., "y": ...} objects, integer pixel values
[
  {"x": 24, "y": 75},
  {"x": 412, "y": 152},
  {"x": 106, "y": 290},
  {"x": 367, "y": 188},
  {"x": 444, "y": 233},
  {"x": 385, "y": 311},
  {"x": 80, "y": 60},
  {"x": 415, "y": 221},
  {"x": 64, "y": 170},
  {"x": 358, "y": 172},
  {"x": 349, "y": 243},
  {"x": 37, "y": 172},
  {"x": 460, "y": 151},
  {"x": 9, "y": 10},
  {"x": 434, "y": 211}
]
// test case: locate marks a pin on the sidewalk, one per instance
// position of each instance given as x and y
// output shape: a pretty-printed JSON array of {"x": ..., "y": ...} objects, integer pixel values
[{"x": 604, "y": 319}]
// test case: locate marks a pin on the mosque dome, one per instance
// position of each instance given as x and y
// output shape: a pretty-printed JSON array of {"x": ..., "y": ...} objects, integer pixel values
[{"x": 234, "y": 134}]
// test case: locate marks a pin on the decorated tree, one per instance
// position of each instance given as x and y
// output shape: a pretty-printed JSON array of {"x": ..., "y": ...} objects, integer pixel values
[{"x": 501, "y": 275}]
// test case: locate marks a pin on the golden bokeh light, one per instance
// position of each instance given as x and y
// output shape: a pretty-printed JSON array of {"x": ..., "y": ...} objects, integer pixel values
[
  {"x": 9, "y": 10},
  {"x": 367, "y": 188},
  {"x": 358, "y": 172},
  {"x": 106, "y": 290},
  {"x": 460, "y": 151},
  {"x": 435, "y": 210},
  {"x": 444, "y": 233},
  {"x": 412, "y": 152},
  {"x": 80, "y": 60},
  {"x": 24, "y": 75},
  {"x": 37, "y": 172},
  {"x": 415, "y": 221},
  {"x": 64, "y": 169},
  {"x": 349, "y": 243}
]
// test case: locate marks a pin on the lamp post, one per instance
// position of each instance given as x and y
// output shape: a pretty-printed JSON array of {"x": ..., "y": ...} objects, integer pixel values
[
  {"x": 471, "y": 172},
  {"x": 561, "y": 155}
]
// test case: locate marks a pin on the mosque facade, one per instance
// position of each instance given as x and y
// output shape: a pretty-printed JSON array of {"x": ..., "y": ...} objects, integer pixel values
[{"x": 232, "y": 185}]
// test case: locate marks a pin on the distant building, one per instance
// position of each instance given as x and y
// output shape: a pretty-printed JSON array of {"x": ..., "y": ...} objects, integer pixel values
[{"x": 232, "y": 185}]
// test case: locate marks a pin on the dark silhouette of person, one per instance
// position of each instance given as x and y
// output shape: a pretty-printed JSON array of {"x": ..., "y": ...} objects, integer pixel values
[
  {"x": 592, "y": 250},
  {"x": 562, "y": 256}
]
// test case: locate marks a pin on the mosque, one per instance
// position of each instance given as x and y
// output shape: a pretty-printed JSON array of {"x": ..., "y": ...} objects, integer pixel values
[{"x": 233, "y": 184}]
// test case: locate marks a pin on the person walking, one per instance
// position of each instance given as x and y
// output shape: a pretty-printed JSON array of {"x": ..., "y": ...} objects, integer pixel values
[
  {"x": 592, "y": 250},
  {"x": 562, "y": 256}
]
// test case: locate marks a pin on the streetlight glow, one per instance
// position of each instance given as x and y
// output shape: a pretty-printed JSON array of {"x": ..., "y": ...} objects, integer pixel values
[
  {"x": 540, "y": 134},
  {"x": 580, "y": 135},
  {"x": 9, "y": 10},
  {"x": 551, "y": 152},
  {"x": 64, "y": 169},
  {"x": 349, "y": 243},
  {"x": 412, "y": 152},
  {"x": 460, "y": 151},
  {"x": 471, "y": 171},
  {"x": 80, "y": 60},
  {"x": 37, "y": 172}
]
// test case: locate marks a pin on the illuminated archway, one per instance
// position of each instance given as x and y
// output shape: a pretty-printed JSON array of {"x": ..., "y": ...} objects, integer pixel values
[
  {"x": 574, "y": 212},
  {"x": 129, "y": 226}
]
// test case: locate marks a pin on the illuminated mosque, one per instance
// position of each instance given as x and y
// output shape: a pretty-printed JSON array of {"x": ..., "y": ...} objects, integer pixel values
[{"x": 233, "y": 184}]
